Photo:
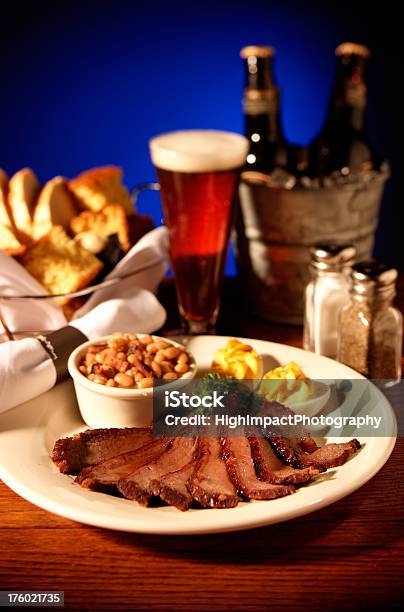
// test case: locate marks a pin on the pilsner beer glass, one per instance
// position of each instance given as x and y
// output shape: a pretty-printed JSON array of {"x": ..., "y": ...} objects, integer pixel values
[{"x": 198, "y": 172}]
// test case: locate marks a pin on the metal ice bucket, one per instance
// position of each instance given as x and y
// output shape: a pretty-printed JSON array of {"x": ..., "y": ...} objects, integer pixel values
[{"x": 275, "y": 227}]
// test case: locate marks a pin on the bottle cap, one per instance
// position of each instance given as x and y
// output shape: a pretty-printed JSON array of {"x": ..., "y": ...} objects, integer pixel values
[
  {"x": 373, "y": 277},
  {"x": 256, "y": 51},
  {"x": 350, "y": 48},
  {"x": 332, "y": 257}
]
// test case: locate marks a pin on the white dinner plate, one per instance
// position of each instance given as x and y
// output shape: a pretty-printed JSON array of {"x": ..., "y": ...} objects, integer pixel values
[{"x": 29, "y": 431}]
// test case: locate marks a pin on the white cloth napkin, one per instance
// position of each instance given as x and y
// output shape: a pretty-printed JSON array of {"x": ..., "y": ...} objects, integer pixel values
[
  {"x": 26, "y": 370},
  {"x": 46, "y": 315},
  {"x": 36, "y": 315}
]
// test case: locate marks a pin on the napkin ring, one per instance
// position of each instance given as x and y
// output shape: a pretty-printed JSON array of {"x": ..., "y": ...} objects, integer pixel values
[{"x": 59, "y": 344}]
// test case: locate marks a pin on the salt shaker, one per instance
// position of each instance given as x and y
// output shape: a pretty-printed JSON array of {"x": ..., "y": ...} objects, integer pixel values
[
  {"x": 370, "y": 330},
  {"x": 326, "y": 294}
]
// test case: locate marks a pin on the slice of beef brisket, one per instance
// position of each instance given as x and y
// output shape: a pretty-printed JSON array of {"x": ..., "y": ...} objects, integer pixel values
[
  {"x": 173, "y": 487},
  {"x": 240, "y": 467},
  {"x": 108, "y": 473},
  {"x": 137, "y": 485},
  {"x": 210, "y": 484},
  {"x": 331, "y": 455},
  {"x": 271, "y": 469},
  {"x": 328, "y": 456},
  {"x": 296, "y": 447},
  {"x": 95, "y": 445}
]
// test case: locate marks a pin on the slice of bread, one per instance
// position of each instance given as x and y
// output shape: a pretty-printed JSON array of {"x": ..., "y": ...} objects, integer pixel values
[
  {"x": 23, "y": 191},
  {"x": 55, "y": 206},
  {"x": 97, "y": 187},
  {"x": 110, "y": 220},
  {"x": 4, "y": 211},
  {"x": 60, "y": 264},
  {"x": 8, "y": 238},
  {"x": 9, "y": 242}
]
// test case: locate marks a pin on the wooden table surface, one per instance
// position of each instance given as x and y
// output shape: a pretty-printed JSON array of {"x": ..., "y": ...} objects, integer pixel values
[{"x": 348, "y": 556}]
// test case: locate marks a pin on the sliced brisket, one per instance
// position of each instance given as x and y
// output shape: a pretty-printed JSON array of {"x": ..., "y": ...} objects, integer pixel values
[
  {"x": 173, "y": 487},
  {"x": 210, "y": 484},
  {"x": 95, "y": 445},
  {"x": 331, "y": 455},
  {"x": 327, "y": 456},
  {"x": 297, "y": 448},
  {"x": 137, "y": 485},
  {"x": 108, "y": 473},
  {"x": 271, "y": 469},
  {"x": 240, "y": 467}
]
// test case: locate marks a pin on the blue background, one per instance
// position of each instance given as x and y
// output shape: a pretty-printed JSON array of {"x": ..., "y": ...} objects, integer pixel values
[{"x": 88, "y": 83}]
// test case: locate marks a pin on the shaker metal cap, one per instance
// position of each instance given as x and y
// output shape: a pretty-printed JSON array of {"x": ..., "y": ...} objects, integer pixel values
[
  {"x": 332, "y": 257},
  {"x": 375, "y": 272}
]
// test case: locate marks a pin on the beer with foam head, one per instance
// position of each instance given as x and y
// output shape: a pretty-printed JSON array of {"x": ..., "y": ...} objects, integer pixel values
[{"x": 198, "y": 172}]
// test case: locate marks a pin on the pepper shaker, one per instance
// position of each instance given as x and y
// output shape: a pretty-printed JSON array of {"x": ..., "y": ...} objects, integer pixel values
[
  {"x": 325, "y": 295},
  {"x": 370, "y": 329}
]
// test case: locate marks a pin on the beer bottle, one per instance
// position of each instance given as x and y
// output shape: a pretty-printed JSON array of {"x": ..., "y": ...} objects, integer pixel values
[
  {"x": 269, "y": 148},
  {"x": 342, "y": 145}
]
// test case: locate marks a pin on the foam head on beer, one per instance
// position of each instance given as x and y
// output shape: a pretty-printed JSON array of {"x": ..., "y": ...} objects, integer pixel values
[
  {"x": 199, "y": 151},
  {"x": 198, "y": 172}
]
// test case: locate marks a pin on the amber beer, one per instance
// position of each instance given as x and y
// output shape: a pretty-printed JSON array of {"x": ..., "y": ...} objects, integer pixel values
[{"x": 198, "y": 173}]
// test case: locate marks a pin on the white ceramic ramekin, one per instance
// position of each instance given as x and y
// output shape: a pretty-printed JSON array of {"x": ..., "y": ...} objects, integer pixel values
[
  {"x": 313, "y": 405},
  {"x": 103, "y": 406}
]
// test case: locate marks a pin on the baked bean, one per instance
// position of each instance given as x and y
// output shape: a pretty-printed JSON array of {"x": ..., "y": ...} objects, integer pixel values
[
  {"x": 124, "y": 366},
  {"x": 101, "y": 380},
  {"x": 170, "y": 376},
  {"x": 123, "y": 380},
  {"x": 129, "y": 361},
  {"x": 156, "y": 369},
  {"x": 166, "y": 366},
  {"x": 162, "y": 344},
  {"x": 145, "y": 383},
  {"x": 108, "y": 356},
  {"x": 183, "y": 357},
  {"x": 117, "y": 338},
  {"x": 159, "y": 357},
  {"x": 117, "y": 364},
  {"x": 146, "y": 340},
  {"x": 152, "y": 347},
  {"x": 171, "y": 353}
]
